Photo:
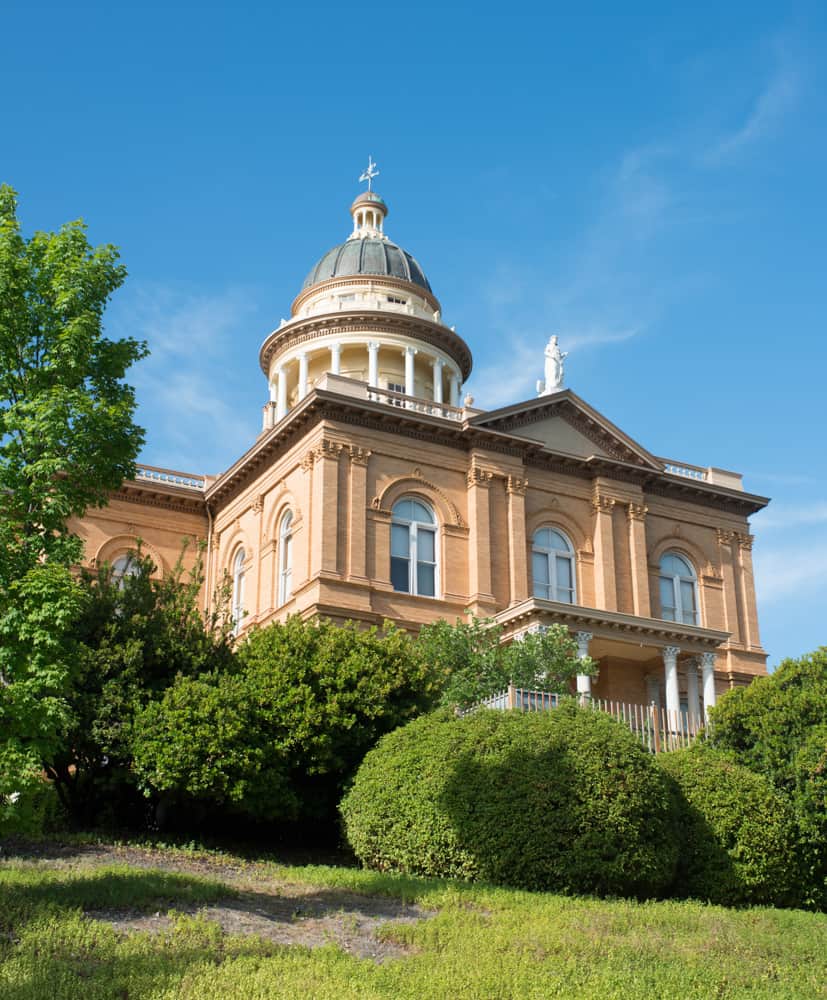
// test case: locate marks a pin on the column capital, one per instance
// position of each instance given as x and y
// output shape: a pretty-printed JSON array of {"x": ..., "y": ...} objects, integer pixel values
[
  {"x": 410, "y": 350},
  {"x": 373, "y": 345},
  {"x": 708, "y": 660},
  {"x": 583, "y": 639},
  {"x": 670, "y": 654},
  {"x": 358, "y": 456},
  {"x": 516, "y": 484},
  {"x": 637, "y": 511},
  {"x": 725, "y": 537},
  {"x": 745, "y": 540},
  {"x": 603, "y": 504},
  {"x": 478, "y": 477},
  {"x": 329, "y": 449},
  {"x": 584, "y": 636},
  {"x": 437, "y": 362}
]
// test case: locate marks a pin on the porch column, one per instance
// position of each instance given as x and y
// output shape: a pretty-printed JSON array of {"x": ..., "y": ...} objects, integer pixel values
[
  {"x": 692, "y": 695},
  {"x": 708, "y": 669},
  {"x": 673, "y": 698},
  {"x": 281, "y": 392},
  {"x": 438, "y": 365},
  {"x": 335, "y": 358},
  {"x": 303, "y": 360},
  {"x": 454, "y": 389},
  {"x": 410, "y": 354},
  {"x": 584, "y": 682},
  {"x": 373, "y": 364}
]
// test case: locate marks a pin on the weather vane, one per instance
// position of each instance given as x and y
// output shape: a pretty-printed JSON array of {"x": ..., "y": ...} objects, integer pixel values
[{"x": 370, "y": 173}]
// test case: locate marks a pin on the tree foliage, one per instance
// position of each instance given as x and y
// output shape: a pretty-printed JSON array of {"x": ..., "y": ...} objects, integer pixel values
[
  {"x": 280, "y": 738},
  {"x": 778, "y": 727},
  {"x": 136, "y": 634},
  {"x": 476, "y": 664},
  {"x": 67, "y": 438}
]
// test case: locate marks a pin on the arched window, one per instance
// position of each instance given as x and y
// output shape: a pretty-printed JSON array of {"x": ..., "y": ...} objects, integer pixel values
[
  {"x": 286, "y": 558},
  {"x": 413, "y": 548},
  {"x": 238, "y": 591},
  {"x": 552, "y": 566},
  {"x": 678, "y": 589},
  {"x": 125, "y": 565}
]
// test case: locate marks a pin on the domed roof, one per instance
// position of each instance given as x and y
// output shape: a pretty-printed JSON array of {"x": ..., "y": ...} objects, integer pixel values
[{"x": 367, "y": 255}]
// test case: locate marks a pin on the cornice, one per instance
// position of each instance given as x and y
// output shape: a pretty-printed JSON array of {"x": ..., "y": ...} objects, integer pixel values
[
  {"x": 368, "y": 281},
  {"x": 305, "y": 331},
  {"x": 321, "y": 404},
  {"x": 166, "y": 497}
]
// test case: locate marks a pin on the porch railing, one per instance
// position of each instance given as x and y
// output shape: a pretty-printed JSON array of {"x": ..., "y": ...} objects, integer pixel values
[{"x": 657, "y": 729}]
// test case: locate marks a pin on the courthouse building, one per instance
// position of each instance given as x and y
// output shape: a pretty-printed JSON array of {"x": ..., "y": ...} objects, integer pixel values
[{"x": 376, "y": 491}]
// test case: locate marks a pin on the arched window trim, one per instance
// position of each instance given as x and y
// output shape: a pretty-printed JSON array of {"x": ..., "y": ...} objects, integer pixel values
[
  {"x": 285, "y": 587},
  {"x": 549, "y": 558},
  {"x": 673, "y": 583},
  {"x": 238, "y": 590},
  {"x": 417, "y": 566}
]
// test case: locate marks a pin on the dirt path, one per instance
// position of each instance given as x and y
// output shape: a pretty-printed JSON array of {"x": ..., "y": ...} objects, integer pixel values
[{"x": 264, "y": 905}]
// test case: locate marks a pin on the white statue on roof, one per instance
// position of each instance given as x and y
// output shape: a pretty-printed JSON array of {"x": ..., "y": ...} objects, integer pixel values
[{"x": 554, "y": 371}]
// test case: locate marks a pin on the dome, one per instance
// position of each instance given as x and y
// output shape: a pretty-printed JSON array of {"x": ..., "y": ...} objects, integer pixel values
[{"x": 368, "y": 255}]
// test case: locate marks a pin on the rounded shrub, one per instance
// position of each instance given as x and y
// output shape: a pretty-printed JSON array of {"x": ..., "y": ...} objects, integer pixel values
[
  {"x": 564, "y": 800},
  {"x": 737, "y": 834}
]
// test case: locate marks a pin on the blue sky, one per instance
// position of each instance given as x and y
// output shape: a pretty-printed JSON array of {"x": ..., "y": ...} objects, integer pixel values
[{"x": 645, "y": 180}]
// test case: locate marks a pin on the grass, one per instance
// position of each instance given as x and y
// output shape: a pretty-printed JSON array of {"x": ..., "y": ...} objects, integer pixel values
[{"x": 482, "y": 943}]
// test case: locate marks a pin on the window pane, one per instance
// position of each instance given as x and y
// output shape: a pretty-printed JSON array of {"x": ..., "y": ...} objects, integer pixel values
[
  {"x": 425, "y": 579},
  {"x": 420, "y": 512},
  {"x": 400, "y": 540},
  {"x": 559, "y": 542},
  {"x": 672, "y": 564},
  {"x": 425, "y": 545},
  {"x": 688, "y": 602},
  {"x": 403, "y": 509},
  {"x": 667, "y": 599},
  {"x": 542, "y": 538},
  {"x": 539, "y": 568},
  {"x": 399, "y": 575},
  {"x": 564, "y": 579}
]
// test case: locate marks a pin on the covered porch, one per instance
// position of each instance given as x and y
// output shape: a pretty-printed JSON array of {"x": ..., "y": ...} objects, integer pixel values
[{"x": 642, "y": 661}]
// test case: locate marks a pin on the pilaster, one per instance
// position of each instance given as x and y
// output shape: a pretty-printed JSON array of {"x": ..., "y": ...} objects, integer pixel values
[
  {"x": 605, "y": 585},
  {"x": 357, "y": 535},
  {"x": 325, "y": 505},
  {"x": 479, "y": 524},
  {"x": 517, "y": 549},
  {"x": 636, "y": 514},
  {"x": 746, "y": 587}
]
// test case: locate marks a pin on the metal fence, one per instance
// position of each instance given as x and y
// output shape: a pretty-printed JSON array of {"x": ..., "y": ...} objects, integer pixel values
[{"x": 657, "y": 729}]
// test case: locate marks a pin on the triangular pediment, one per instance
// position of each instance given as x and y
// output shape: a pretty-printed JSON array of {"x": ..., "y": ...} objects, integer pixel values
[{"x": 563, "y": 422}]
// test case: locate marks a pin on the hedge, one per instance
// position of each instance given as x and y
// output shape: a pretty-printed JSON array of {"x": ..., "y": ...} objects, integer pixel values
[{"x": 565, "y": 800}]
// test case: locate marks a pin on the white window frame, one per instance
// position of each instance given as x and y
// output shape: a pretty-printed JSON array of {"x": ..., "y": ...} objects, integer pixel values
[
  {"x": 413, "y": 532},
  {"x": 286, "y": 557},
  {"x": 237, "y": 610},
  {"x": 675, "y": 579},
  {"x": 551, "y": 556}
]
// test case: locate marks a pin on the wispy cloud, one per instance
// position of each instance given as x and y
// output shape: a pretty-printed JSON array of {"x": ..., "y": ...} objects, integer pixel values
[
  {"x": 787, "y": 518},
  {"x": 768, "y": 110},
  {"x": 789, "y": 571},
  {"x": 187, "y": 398}
]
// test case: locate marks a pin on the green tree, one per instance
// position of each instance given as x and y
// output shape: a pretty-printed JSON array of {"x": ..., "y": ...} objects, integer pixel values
[
  {"x": 778, "y": 727},
  {"x": 476, "y": 664},
  {"x": 136, "y": 634},
  {"x": 67, "y": 438},
  {"x": 281, "y": 739}
]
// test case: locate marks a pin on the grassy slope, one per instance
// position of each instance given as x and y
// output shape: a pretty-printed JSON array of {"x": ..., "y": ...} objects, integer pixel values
[{"x": 483, "y": 943}]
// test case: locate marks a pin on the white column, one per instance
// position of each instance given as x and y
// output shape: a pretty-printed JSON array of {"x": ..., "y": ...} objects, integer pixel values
[
  {"x": 708, "y": 669},
  {"x": 272, "y": 392},
  {"x": 673, "y": 698},
  {"x": 438, "y": 366},
  {"x": 302, "y": 374},
  {"x": 373, "y": 363},
  {"x": 410, "y": 354},
  {"x": 454, "y": 384},
  {"x": 584, "y": 682},
  {"x": 692, "y": 695},
  {"x": 281, "y": 392},
  {"x": 335, "y": 358}
]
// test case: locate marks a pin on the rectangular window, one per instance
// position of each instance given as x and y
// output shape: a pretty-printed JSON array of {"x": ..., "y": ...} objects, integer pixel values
[
  {"x": 400, "y": 558},
  {"x": 398, "y": 301},
  {"x": 425, "y": 562},
  {"x": 539, "y": 570},
  {"x": 565, "y": 587},
  {"x": 690, "y": 613}
]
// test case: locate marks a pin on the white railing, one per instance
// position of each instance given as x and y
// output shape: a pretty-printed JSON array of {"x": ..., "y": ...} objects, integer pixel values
[
  {"x": 183, "y": 479},
  {"x": 682, "y": 469},
  {"x": 405, "y": 402},
  {"x": 657, "y": 729}
]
